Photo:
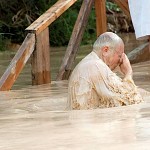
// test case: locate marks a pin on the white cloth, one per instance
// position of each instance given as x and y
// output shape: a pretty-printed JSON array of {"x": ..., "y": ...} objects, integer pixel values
[
  {"x": 140, "y": 14},
  {"x": 92, "y": 84}
]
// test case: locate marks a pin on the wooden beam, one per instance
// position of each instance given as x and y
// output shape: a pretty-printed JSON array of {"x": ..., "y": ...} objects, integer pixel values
[
  {"x": 140, "y": 54},
  {"x": 100, "y": 11},
  {"x": 75, "y": 40},
  {"x": 50, "y": 15},
  {"x": 17, "y": 63},
  {"x": 123, "y": 4},
  {"x": 41, "y": 59}
]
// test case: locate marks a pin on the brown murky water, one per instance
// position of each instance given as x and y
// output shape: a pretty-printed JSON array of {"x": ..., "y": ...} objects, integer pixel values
[{"x": 34, "y": 117}]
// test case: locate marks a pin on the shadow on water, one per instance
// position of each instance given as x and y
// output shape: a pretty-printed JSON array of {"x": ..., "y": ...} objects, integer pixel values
[{"x": 34, "y": 117}]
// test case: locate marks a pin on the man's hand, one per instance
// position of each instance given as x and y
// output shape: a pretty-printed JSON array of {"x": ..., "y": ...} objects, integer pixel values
[{"x": 125, "y": 66}]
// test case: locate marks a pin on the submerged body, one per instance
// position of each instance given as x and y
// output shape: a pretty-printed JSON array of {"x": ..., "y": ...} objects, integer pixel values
[{"x": 93, "y": 85}]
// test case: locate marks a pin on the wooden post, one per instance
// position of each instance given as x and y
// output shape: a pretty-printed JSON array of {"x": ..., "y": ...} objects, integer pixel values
[
  {"x": 17, "y": 63},
  {"x": 75, "y": 40},
  {"x": 41, "y": 59},
  {"x": 123, "y": 4},
  {"x": 100, "y": 11}
]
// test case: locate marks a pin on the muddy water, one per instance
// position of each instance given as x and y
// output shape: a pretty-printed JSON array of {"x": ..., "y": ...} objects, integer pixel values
[{"x": 34, "y": 117}]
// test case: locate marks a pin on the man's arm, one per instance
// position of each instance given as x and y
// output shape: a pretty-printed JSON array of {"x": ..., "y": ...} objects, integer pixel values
[
  {"x": 125, "y": 67},
  {"x": 113, "y": 89}
]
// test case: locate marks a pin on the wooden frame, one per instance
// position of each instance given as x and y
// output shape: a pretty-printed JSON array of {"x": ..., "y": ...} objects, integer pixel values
[
  {"x": 50, "y": 15},
  {"x": 17, "y": 63},
  {"x": 75, "y": 40},
  {"x": 41, "y": 59},
  {"x": 101, "y": 19},
  {"x": 123, "y": 4}
]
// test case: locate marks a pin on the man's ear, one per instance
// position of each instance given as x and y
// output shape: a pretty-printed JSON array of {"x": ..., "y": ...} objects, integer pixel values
[{"x": 105, "y": 50}]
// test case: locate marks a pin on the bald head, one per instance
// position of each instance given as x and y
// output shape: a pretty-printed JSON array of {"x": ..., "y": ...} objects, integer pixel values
[
  {"x": 109, "y": 39},
  {"x": 109, "y": 47}
]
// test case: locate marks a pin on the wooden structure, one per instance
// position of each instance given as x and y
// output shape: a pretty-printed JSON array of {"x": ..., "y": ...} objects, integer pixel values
[
  {"x": 124, "y": 6},
  {"x": 75, "y": 40},
  {"x": 36, "y": 43},
  {"x": 40, "y": 58},
  {"x": 101, "y": 27},
  {"x": 17, "y": 63}
]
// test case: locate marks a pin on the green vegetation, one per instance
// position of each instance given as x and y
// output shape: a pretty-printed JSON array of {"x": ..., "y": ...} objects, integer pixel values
[
  {"x": 16, "y": 15},
  {"x": 3, "y": 42},
  {"x": 112, "y": 6}
]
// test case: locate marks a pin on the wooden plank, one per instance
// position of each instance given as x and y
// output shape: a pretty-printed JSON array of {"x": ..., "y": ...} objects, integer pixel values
[
  {"x": 41, "y": 59},
  {"x": 123, "y": 4},
  {"x": 140, "y": 54},
  {"x": 50, "y": 15},
  {"x": 101, "y": 21},
  {"x": 17, "y": 63},
  {"x": 75, "y": 40}
]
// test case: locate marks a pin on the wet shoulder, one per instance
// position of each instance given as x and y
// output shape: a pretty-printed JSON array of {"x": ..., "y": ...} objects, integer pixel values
[{"x": 91, "y": 59}]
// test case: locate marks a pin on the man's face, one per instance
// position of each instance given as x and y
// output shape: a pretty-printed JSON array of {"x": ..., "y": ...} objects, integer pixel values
[{"x": 115, "y": 57}]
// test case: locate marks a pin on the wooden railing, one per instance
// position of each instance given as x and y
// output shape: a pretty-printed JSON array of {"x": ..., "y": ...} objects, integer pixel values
[
  {"x": 17, "y": 63},
  {"x": 50, "y": 15},
  {"x": 101, "y": 27},
  {"x": 78, "y": 31},
  {"x": 36, "y": 42}
]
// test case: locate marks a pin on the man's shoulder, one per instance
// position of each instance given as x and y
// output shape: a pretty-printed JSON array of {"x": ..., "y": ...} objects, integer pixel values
[
  {"x": 90, "y": 62},
  {"x": 92, "y": 58}
]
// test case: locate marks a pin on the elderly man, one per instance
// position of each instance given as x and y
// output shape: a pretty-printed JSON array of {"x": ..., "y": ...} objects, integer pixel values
[{"x": 92, "y": 83}]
